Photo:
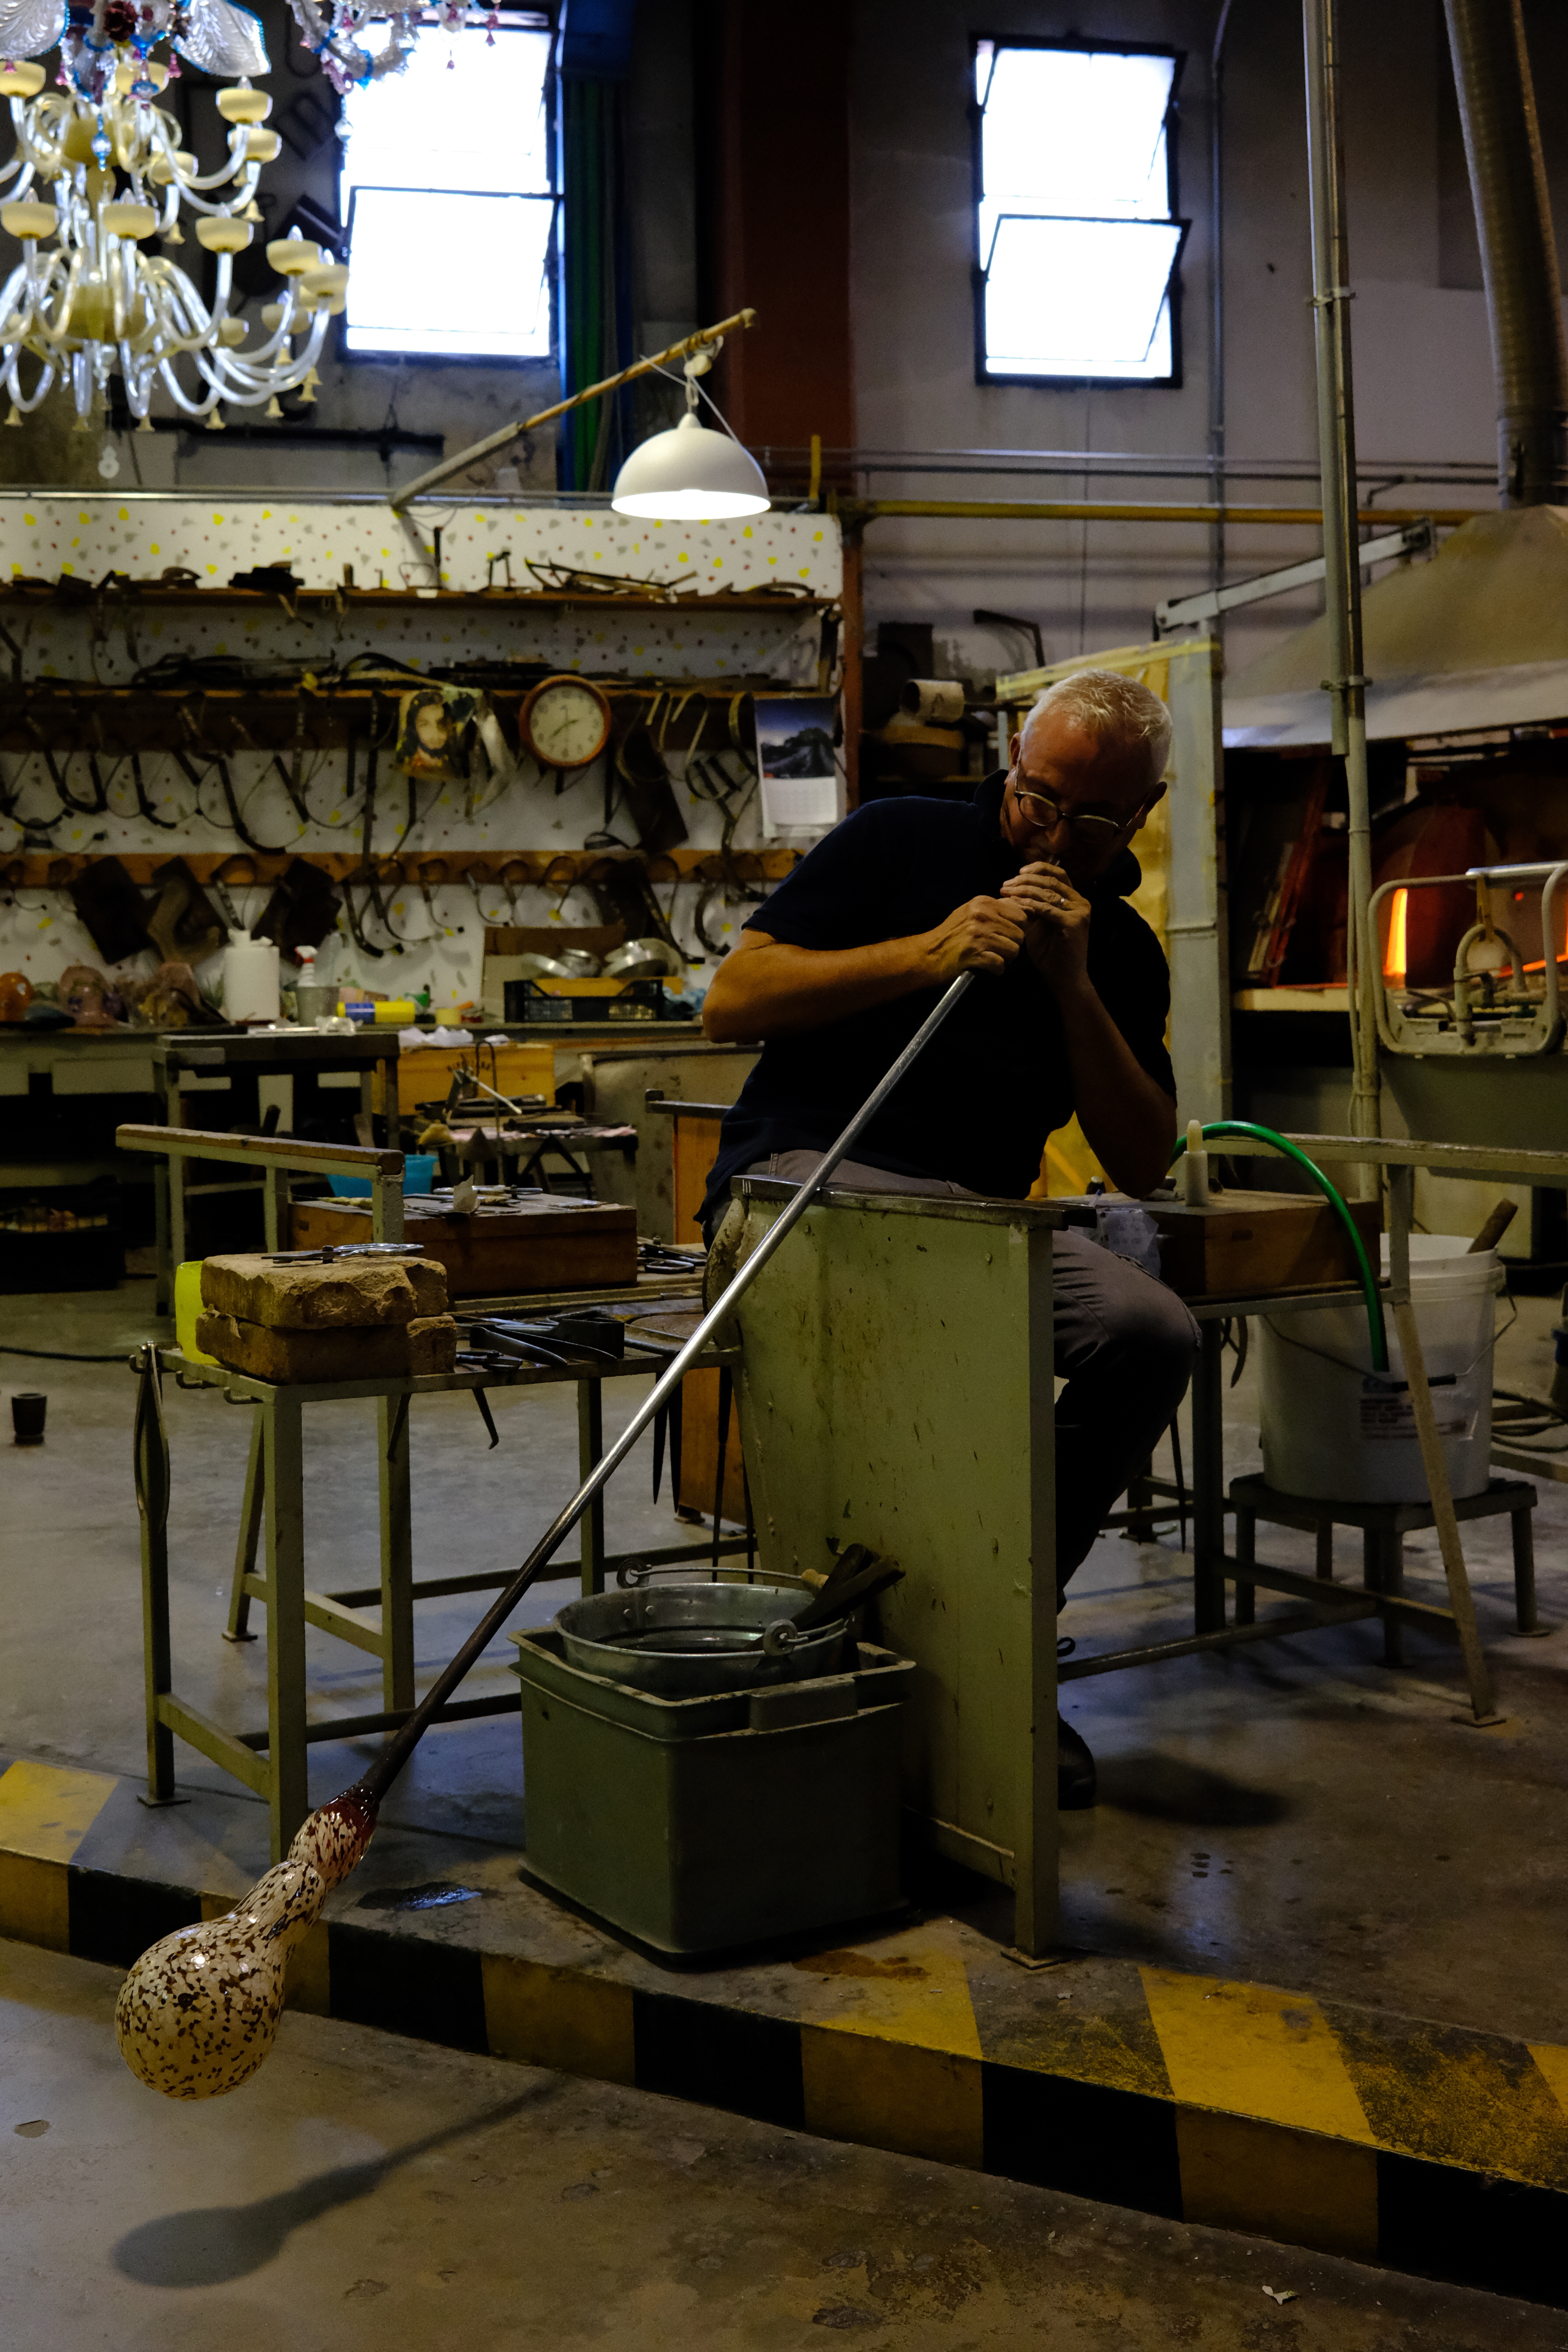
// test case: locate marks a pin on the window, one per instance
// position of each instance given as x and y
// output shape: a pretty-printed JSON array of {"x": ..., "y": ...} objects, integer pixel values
[
  {"x": 1078, "y": 249},
  {"x": 445, "y": 190}
]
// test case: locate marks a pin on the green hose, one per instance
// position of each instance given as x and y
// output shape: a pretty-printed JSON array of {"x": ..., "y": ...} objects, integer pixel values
[{"x": 1246, "y": 1127}]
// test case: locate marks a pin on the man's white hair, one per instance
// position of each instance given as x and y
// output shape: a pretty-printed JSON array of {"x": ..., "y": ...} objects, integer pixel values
[{"x": 1116, "y": 710}]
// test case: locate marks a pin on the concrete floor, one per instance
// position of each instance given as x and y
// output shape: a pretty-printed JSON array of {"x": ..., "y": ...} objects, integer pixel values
[
  {"x": 1295, "y": 1812},
  {"x": 366, "y": 2192}
]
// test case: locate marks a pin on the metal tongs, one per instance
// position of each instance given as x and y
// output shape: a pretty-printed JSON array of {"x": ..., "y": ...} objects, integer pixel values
[{"x": 857, "y": 1576}]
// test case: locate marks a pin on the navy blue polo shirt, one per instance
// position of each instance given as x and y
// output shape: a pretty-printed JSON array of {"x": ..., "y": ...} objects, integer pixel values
[{"x": 994, "y": 1081}]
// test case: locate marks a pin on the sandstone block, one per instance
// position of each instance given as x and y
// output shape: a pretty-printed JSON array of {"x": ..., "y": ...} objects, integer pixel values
[
  {"x": 347, "y": 1294},
  {"x": 366, "y": 1352}
]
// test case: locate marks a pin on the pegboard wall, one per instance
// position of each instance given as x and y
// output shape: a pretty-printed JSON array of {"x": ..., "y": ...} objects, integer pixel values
[{"x": 118, "y": 737}]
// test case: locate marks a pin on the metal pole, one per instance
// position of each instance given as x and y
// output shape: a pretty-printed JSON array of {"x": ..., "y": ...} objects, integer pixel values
[
  {"x": 1216, "y": 299},
  {"x": 511, "y": 433},
  {"x": 1337, "y": 467}
]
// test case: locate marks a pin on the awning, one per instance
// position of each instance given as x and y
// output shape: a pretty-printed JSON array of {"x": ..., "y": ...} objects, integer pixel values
[{"x": 1440, "y": 702}]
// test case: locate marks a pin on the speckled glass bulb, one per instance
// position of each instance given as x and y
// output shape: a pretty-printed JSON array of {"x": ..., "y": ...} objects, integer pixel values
[{"x": 199, "y": 2012}]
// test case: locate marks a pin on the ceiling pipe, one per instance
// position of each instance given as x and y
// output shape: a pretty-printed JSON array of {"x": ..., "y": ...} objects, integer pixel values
[{"x": 1519, "y": 250}]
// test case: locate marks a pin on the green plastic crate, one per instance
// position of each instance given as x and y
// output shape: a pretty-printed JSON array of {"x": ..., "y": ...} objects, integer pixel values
[{"x": 706, "y": 1825}]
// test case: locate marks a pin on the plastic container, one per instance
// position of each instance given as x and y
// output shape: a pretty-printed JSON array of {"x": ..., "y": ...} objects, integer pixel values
[
  {"x": 187, "y": 1306},
  {"x": 1335, "y": 1431},
  {"x": 251, "y": 982},
  {"x": 711, "y": 1823},
  {"x": 418, "y": 1176},
  {"x": 314, "y": 999},
  {"x": 62, "y": 1237}
]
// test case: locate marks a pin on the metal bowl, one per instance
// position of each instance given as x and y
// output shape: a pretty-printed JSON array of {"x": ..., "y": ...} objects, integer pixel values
[
  {"x": 578, "y": 964},
  {"x": 543, "y": 967},
  {"x": 643, "y": 960},
  {"x": 687, "y": 1641}
]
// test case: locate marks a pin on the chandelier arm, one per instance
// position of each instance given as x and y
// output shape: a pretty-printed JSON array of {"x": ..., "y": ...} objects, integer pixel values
[
  {"x": 57, "y": 333},
  {"x": 191, "y": 407},
  {"x": 13, "y": 381},
  {"x": 242, "y": 194}
]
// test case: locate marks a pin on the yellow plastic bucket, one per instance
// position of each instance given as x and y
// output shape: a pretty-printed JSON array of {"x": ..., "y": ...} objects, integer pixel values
[{"x": 187, "y": 1306}]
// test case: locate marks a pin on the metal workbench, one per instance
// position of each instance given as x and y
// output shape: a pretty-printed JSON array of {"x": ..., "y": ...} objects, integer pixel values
[
  {"x": 296, "y": 1053},
  {"x": 272, "y": 1762}
]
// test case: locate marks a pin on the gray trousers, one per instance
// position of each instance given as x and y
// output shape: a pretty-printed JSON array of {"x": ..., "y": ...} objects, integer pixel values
[{"x": 1125, "y": 1345}]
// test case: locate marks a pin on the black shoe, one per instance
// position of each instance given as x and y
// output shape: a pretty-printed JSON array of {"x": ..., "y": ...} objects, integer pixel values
[{"x": 1075, "y": 1769}]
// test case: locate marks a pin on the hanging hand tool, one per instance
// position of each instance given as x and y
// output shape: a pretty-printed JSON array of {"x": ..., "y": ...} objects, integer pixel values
[
  {"x": 196, "y": 2014},
  {"x": 144, "y": 804}
]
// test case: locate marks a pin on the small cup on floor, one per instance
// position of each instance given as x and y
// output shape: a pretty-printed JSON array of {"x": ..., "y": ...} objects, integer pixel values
[{"x": 27, "y": 1412}]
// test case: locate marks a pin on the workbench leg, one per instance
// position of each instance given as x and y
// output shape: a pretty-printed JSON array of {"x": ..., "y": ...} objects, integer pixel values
[
  {"x": 1208, "y": 1485},
  {"x": 158, "y": 1665},
  {"x": 1246, "y": 1558},
  {"x": 275, "y": 1213},
  {"x": 249, "y": 1537},
  {"x": 1141, "y": 1529},
  {"x": 1324, "y": 1553},
  {"x": 151, "y": 1463},
  {"x": 163, "y": 1292},
  {"x": 1462, "y": 1600},
  {"x": 396, "y": 1553},
  {"x": 1382, "y": 1570},
  {"x": 1523, "y": 1534},
  {"x": 590, "y": 1446},
  {"x": 285, "y": 1519},
  {"x": 178, "y": 1243},
  {"x": 1434, "y": 1462}
]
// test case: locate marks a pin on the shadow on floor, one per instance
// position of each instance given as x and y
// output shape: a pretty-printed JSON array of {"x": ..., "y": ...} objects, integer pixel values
[
  {"x": 210, "y": 2245},
  {"x": 1164, "y": 1788}
]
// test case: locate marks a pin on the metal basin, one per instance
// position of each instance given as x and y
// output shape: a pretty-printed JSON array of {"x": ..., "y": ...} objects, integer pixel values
[{"x": 687, "y": 1641}]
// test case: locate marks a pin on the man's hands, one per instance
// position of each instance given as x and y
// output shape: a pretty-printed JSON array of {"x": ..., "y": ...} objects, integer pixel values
[
  {"x": 1056, "y": 920},
  {"x": 982, "y": 935},
  {"x": 767, "y": 988}
]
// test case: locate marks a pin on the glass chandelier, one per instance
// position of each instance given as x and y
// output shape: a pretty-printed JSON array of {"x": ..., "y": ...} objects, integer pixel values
[{"x": 89, "y": 300}]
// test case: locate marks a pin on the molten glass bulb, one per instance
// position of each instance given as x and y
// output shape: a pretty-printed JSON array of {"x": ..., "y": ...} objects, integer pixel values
[{"x": 199, "y": 2012}]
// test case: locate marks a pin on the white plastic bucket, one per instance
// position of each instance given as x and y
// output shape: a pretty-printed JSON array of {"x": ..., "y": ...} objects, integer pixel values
[{"x": 1334, "y": 1431}]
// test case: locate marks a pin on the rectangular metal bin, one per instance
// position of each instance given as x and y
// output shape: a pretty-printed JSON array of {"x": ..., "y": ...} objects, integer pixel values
[{"x": 704, "y": 1824}]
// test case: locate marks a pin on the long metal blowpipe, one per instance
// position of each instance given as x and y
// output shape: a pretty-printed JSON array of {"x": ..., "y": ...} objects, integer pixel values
[{"x": 198, "y": 2012}]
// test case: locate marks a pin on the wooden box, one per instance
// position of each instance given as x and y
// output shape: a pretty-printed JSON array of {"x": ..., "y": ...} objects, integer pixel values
[
  {"x": 537, "y": 1244},
  {"x": 1240, "y": 1242},
  {"x": 426, "y": 1074}
]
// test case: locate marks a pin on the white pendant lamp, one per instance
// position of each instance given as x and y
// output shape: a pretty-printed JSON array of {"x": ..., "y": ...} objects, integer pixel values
[{"x": 691, "y": 474}]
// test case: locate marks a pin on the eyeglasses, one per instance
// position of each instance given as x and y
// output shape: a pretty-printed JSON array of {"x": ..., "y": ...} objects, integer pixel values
[{"x": 1046, "y": 814}]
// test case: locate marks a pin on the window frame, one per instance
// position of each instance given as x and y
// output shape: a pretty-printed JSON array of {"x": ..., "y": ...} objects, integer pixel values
[
  {"x": 1076, "y": 44},
  {"x": 534, "y": 19}
]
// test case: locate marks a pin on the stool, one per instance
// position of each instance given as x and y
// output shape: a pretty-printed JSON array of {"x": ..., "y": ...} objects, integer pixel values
[{"x": 1384, "y": 1526}]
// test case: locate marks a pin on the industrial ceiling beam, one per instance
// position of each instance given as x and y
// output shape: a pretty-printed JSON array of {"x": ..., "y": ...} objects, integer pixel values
[
  {"x": 865, "y": 511},
  {"x": 1181, "y": 612}
]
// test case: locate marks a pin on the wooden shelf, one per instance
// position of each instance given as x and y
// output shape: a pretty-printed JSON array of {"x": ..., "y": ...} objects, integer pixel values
[
  {"x": 1334, "y": 999},
  {"x": 78, "y": 715},
  {"x": 71, "y": 590},
  {"x": 437, "y": 869}
]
